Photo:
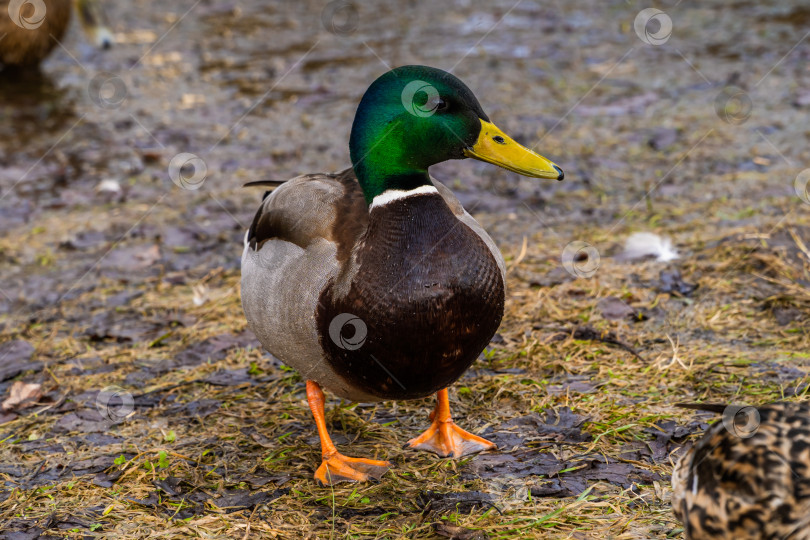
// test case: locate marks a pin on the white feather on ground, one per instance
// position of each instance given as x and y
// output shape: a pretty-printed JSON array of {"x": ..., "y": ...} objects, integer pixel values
[{"x": 644, "y": 244}]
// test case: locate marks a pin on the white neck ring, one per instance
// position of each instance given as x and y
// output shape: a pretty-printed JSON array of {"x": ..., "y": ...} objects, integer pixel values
[{"x": 391, "y": 195}]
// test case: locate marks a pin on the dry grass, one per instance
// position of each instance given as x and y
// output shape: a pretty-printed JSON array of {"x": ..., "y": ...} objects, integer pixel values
[{"x": 722, "y": 343}]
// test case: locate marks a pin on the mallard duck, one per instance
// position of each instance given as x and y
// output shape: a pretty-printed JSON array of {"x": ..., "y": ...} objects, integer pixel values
[
  {"x": 29, "y": 29},
  {"x": 374, "y": 282},
  {"x": 748, "y": 477}
]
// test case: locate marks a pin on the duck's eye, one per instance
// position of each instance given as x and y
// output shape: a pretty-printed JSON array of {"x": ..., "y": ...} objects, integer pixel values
[{"x": 441, "y": 104}]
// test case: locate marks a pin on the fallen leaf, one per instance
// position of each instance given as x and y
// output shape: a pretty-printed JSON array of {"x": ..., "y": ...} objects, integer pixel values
[
  {"x": 15, "y": 357},
  {"x": 786, "y": 315},
  {"x": 578, "y": 385},
  {"x": 455, "y": 532},
  {"x": 558, "y": 488},
  {"x": 230, "y": 377},
  {"x": 670, "y": 281},
  {"x": 123, "y": 326},
  {"x": 196, "y": 409},
  {"x": 462, "y": 502},
  {"x": 82, "y": 421},
  {"x": 22, "y": 395},
  {"x": 615, "y": 309},
  {"x": 238, "y": 499},
  {"x": 16, "y": 351}
]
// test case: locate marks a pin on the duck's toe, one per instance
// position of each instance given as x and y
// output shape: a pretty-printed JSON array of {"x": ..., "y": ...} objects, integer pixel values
[
  {"x": 339, "y": 468},
  {"x": 447, "y": 439}
]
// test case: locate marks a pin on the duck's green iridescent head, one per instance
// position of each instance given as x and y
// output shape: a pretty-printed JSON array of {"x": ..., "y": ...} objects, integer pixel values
[{"x": 416, "y": 116}]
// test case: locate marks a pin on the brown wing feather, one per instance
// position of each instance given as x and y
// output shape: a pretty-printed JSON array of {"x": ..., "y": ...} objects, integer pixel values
[
  {"x": 312, "y": 207},
  {"x": 351, "y": 215}
]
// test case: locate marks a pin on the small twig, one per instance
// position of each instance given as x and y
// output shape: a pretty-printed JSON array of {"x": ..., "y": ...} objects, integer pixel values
[
  {"x": 799, "y": 243},
  {"x": 58, "y": 403},
  {"x": 247, "y": 529},
  {"x": 587, "y": 333},
  {"x": 590, "y": 334},
  {"x": 522, "y": 255}
]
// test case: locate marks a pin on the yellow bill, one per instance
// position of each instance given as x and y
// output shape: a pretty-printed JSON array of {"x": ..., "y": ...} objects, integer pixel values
[
  {"x": 496, "y": 147},
  {"x": 94, "y": 22}
]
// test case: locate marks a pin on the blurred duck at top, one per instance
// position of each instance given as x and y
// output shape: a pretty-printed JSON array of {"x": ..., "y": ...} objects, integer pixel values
[{"x": 30, "y": 29}]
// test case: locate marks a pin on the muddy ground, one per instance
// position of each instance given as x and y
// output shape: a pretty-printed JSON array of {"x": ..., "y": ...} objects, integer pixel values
[{"x": 154, "y": 413}]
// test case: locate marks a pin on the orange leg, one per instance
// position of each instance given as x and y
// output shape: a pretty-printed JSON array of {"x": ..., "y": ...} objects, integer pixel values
[
  {"x": 335, "y": 466},
  {"x": 444, "y": 437}
]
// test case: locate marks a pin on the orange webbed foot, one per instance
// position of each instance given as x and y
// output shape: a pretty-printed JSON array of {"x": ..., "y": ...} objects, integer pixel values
[
  {"x": 339, "y": 468},
  {"x": 447, "y": 439},
  {"x": 444, "y": 437}
]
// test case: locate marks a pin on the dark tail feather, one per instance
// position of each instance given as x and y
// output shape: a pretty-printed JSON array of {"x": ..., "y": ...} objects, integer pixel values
[
  {"x": 264, "y": 183},
  {"x": 711, "y": 407}
]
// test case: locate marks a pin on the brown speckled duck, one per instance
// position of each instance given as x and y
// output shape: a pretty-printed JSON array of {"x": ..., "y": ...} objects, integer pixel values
[
  {"x": 29, "y": 30},
  {"x": 374, "y": 282},
  {"x": 747, "y": 482}
]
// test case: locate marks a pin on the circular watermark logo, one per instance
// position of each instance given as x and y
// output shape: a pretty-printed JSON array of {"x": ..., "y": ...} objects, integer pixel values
[
  {"x": 733, "y": 105},
  {"x": 28, "y": 14},
  {"x": 653, "y": 26},
  {"x": 340, "y": 17},
  {"x": 354, "y": 338},
  {"x": 581, "y": 259},
  {"x": 188, "y": 171},
  {"x": 741, "y": 421},
  {"x": 420, "y": 98},
  {"x": 115, "y": 404},
  {"x": 107, "y": 90},
  {"x": 802, "y": 185}
]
